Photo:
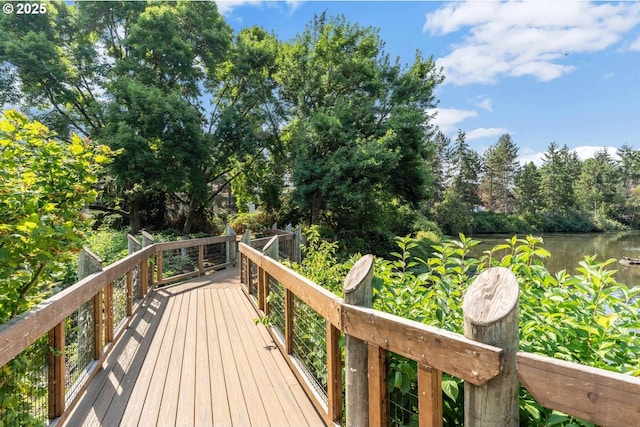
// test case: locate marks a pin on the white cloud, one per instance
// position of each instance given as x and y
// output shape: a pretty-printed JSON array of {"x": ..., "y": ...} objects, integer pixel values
[
  {"x": 589, "y": 151},
  {"x": 608, "y": 76},
  {"x": 225, "y": 7},
  {"x": 526, "y": 38},
  {"x": 447, "y": 119},
  {"x": 636, "y": 44},
  {"x": 485, "y": 104},
  {"x": 485, "y": 133},
  {"x": 583, "y": 151}
]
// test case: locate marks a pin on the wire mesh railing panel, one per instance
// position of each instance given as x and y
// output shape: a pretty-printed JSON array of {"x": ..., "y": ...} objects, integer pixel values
[
  {"x": 119, "y": 300},
  {"x": 179, "y": 261},
  {"x": 79, "y": 344},
  {"x": 402, "y": 387},
  {"x": 215, "y": 254},
  {"x": 275, "y": 299},
  {"x": 310, "y": 344},
  {"x": 136, "y": 284},
  {"x": 254, "y": 279},
  {"x": 23, "y": 387}
]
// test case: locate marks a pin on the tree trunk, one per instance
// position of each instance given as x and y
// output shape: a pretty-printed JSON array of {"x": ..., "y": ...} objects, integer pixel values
[
  {"x": 134, "y": 216},
  {"x": 188, "y": 221},
  {"x": 316, "y": 207}
]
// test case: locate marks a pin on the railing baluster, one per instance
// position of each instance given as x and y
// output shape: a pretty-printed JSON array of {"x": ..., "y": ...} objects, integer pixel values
[
  {"x": 334, "y": 373},
  {"x": 56, "y": 371},
  {"x": 200, "y": 260},
  {"x": 288, "y": 320},
  {"x": 108, "y": 313},
  {"x": 144, "y": 277},
  {"x": 159, "y": 265},
  {"x": 129, "y": 292},
  {"x": 378, "y": 394},
  {"x": 429, "y": 396},
  {"x": 96, "y": 305}
]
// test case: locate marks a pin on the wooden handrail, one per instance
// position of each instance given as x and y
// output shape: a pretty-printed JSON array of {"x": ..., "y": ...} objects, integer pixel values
[
  {"x": 595, "y": 395},
  {"x": 49, "y": 316}
]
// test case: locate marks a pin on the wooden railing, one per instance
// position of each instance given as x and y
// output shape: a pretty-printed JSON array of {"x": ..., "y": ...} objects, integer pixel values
[
  {"x": 491, "y": 374},
  {"x": 106, "y": 299}
]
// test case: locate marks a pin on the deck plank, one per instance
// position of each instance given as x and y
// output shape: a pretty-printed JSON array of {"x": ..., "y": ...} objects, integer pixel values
[{"x": 194, "y": 357}]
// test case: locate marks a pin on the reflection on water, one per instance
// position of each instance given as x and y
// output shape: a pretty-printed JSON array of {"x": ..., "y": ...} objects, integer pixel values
[{"x": 567, "y": 250}]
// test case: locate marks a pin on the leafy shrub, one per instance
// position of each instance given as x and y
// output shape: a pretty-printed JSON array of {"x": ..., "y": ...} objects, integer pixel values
[
  {"x": 255, "y": 221},
  {"x": 494, "y": 222},
  {"x": 587, "y": 318}
]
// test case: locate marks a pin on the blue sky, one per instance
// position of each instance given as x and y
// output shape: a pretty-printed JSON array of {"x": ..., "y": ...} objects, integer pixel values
[{"x": 542, "y": 71}]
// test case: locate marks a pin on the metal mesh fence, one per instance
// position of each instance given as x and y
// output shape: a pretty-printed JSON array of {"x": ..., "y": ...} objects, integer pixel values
[
  {"x": 275, "y": 299},
  {"x": 23, "y": 387},
  {"x": 310, "y": 344},
  {"x": 215, "y": 254},
  {"x": 137, "y": 284},
  {"x": 179, "y": 261},
  {"x": 119, "y": 300},
  {"x": 254, "y": 280},
  {"x": 403, "y": 391},
  {"x": 79, "y": 341}
]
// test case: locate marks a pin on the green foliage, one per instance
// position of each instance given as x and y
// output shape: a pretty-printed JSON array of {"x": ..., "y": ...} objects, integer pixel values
[
  {"x": 44, "y": 184},
  {"x": 587, "y": 318},
  {"x": 453, "y": 214},
  {"x": 255, "y": 221},
  {"x": 109, "y": 245},
  {"x": 357, "y": 123},
  {"x": 493, "y": 222}
]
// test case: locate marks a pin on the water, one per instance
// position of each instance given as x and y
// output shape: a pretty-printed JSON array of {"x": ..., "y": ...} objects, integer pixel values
[{"x": 567, "y": 250}]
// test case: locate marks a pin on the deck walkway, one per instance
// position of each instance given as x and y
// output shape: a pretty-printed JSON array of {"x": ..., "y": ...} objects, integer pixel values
[{"x": 193, "y": 356}]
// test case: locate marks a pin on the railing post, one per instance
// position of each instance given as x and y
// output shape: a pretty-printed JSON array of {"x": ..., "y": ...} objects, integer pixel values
[
  {"x": 231, "y": 247},
  {"x": 491, "y": 316},
  {"x": 147, "y": 273},
  {"x": 245, "y": 270},
  {"x": 133, "y": 245},
  {"x": 200, "y": 260},
  {"x": 334, "y": 373},
  {"x": 271, "y": 248},
  {"x": 378, "y": 404},
  {"x": 56, "y": 370},
  {"x": 89, "y": 263},
  {"x": 297, "y": 242},
  {"x": 358, "y": 291}
]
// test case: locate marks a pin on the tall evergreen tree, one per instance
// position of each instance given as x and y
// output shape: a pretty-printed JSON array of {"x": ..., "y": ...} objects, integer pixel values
[
  {"x": 500, "y": 169},
  {"x": 468, "y": 164},
  {"x": 560, "y": 170},
  {"x": 358, "y": 129},
  {"x": 528, "y": 189}
]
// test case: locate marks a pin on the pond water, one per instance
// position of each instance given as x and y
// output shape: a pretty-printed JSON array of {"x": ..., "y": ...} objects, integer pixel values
[{"x": 567, "y": 250}]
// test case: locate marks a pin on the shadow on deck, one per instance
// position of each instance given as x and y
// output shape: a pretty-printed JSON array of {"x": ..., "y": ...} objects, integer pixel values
[{"x": 193, "y": 356}]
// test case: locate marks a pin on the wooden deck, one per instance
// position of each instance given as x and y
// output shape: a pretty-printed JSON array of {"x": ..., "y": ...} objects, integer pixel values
[{"x": 193, "y": 356}]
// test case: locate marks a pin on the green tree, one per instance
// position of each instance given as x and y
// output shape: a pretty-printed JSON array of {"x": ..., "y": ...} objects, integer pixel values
[
  {"x": 468, "y": 166},
  {"x": 500, "y": 170},
  {"x": 629, "y": 170},
  {"x": 598, "y": 184},
  {"x": 528, "y": 192},
  {"x": 44, "y": 184},
  {"x": 560, "y": 170},
  {"x": 358, "y": 132}
]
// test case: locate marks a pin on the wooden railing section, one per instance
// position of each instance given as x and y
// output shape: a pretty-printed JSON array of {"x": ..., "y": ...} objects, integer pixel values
[
  {"x": 595, "y": 395},
  {"x": 491, "y": 374},
  {"x": 113, "y": 302}
]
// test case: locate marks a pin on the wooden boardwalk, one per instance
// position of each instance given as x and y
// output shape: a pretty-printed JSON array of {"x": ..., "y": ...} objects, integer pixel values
[{"x": 193, "y": 356}]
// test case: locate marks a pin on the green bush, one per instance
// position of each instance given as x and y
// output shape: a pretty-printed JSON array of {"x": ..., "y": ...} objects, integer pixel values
[
  {"x": 587, "y": 318},
  {"x": 255, "y": 221}
]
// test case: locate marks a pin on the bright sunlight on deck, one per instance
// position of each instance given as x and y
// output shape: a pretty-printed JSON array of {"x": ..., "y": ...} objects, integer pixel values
[{"x": 193, "y": 356}]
